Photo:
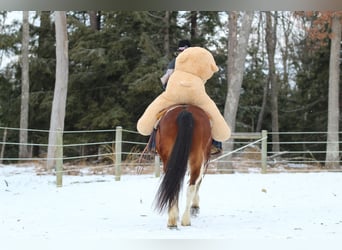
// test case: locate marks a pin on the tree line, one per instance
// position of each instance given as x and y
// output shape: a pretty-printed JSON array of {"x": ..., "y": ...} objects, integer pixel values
[{"x": 279, "y": 70}]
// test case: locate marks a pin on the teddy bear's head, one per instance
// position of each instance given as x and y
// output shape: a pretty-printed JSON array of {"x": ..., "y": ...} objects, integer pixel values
[{"x": 197, "y": 61}]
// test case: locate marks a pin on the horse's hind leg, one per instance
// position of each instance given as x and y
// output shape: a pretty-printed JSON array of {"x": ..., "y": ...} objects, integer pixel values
[
  {"x": 194, "y": 210},
  {"x": 173, "y": 216},
  {"x": 192, "y": 198},
  {"x": 189, "y": 197}
]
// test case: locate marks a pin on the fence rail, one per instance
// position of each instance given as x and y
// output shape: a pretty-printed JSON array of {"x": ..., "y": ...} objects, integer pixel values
[{"x": 120, "y": 152}]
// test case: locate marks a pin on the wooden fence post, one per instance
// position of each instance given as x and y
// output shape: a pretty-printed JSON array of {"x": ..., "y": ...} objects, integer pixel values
[
  {"x": 156, "y": 165},
  {"x": 118, "y": 147},
  {"x": 3, "y": 145},
  {"x": 264, "y": 151},
  {"x": 59, "y": 158}
]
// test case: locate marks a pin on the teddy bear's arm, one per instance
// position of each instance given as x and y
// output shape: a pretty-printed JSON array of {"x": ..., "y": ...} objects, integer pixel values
[{"x": 147, "y": 121}]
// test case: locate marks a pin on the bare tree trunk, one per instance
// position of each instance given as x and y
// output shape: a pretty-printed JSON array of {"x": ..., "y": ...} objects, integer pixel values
[
  {"x": 233, "y": 82},
  {"x": 24, "y": 108},
  {"x": 266, "y": 83},
  {"x": 263, "y": 106},
  {"x": 193, "y": 25},
  {"x": 61, "y": 85},
  {"x": 237, "y": 51},
  {"x": 166, "y": 20},
  {"x": 271, "y": 38},
  {"x": 95, "y": 19},
  {"x": 332, "y": 154},
  {"x": 287, "y": 26}
]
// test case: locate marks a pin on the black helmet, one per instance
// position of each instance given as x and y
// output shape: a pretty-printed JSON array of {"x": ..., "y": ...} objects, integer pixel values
[{"x": 183, "y": 44}]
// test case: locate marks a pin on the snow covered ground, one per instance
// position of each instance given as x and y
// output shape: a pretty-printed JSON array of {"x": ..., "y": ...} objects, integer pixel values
[{"x": 98, "y": 209}]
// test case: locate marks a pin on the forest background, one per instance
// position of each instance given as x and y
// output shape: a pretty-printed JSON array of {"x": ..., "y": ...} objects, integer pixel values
[{"x": 117, "y": 57}]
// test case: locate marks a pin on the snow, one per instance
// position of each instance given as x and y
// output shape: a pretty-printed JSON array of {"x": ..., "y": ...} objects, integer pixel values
[{"x": 92, "y": 210}]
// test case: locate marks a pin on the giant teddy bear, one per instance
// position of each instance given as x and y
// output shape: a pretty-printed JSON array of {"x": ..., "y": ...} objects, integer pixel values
[{"x": 194, "y": 66}]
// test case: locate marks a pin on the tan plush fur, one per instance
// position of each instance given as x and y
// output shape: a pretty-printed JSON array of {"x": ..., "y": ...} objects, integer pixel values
[{"x": 194, "y": 66}]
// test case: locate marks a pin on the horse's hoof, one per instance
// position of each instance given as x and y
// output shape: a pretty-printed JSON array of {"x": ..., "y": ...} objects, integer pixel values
[
  {"x": 186, "y": 224},
  {"x": 194, "y": 211},
  {"x": 172, "y": 227}
]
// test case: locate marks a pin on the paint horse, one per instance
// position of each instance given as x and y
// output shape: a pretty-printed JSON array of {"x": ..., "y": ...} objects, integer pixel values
[{"x": 183, "y": 141}]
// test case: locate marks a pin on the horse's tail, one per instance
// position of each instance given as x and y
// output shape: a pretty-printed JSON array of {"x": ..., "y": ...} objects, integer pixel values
[{"x": 176, "y": 167}]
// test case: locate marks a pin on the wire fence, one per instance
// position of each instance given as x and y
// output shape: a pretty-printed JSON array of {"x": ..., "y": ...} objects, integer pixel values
[
  {"x": 102, "y": 152},
  {"x": 86, "y": 151},
  {"x": 298, "y": 152}
]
